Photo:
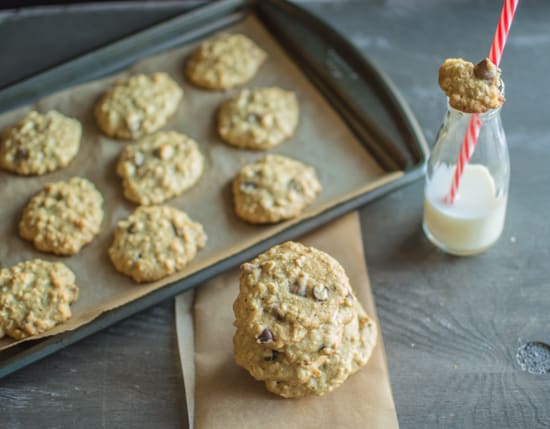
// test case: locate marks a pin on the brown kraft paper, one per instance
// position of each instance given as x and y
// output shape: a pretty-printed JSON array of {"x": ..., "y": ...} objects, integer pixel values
[
  {"x": 226, "y": 396},
  {"x": 322, "y": 139}
]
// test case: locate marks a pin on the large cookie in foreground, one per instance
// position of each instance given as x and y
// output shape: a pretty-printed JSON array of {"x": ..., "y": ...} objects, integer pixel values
[
  {"x": 224, "y": 61},
  {"x": 138, "y": 106},
  {"x": 155, "y": 242},
  {"x": 299, "y": 325},
  {"x": 40, "y": 143},
  {"x": 35, "y": 296},
  {"x": 274, "y": 189},
  {"x": 63, "y": 217}
]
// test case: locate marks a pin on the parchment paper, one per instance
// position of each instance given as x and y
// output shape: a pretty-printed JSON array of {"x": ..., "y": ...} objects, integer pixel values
[
  {"x": 322, "y": 139},
  {"x": 227, "y": 396}
]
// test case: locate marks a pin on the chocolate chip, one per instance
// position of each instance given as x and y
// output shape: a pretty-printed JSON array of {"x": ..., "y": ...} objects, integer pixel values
[
  {"x": 276, "y": 313},
  {"x": 320, "y": 293},
  {"x": 485, "y": 70},
  {"x": 138, "y": 256},
  {"x": 295, "y": 186},
  {"x": 272, "y": 357},
  {"x": 326, "y": 349},
  {"x": 21, "y": 154},
  {"x": 132, "y": 228},
  {"x": 298, "y": 289},
  {"x": 266, "y": 336}
]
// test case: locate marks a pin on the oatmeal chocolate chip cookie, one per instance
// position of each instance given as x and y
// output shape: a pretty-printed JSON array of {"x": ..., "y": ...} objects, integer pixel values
[
  {"x": 258, "y": 118},
  {"x": 159, "y": 167},
  {"x": 63, "y": 217},
  {"x": 296, "y": 361},
  {"x": 155, "y": 242},
  {"x": 471, "y": 89},
  {"x": 35, "y": 296},
  {"x": 299, "y": 285},
  {"x": 224, "y": 61},
  {"x": 274, "y": 189},
  {"x": 299, "y": 326},
  {"x": 40, "y": 143},
  {"x": 138, "y": 106},
  {"x": 332, "y": 369}
]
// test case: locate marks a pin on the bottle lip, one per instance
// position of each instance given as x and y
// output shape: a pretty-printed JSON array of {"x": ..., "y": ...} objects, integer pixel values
[{"x": 488, "y": 114}]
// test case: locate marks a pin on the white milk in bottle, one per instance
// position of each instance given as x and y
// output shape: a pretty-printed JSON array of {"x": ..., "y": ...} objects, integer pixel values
[{"x": 474, "y": 221}]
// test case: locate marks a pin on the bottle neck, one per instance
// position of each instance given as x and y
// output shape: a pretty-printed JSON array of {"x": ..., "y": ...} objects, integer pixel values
[{"x": 458, "y": 115}]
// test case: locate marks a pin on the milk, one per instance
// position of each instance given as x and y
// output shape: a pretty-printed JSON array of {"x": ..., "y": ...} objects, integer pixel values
[{"x": 474, "y": 221}]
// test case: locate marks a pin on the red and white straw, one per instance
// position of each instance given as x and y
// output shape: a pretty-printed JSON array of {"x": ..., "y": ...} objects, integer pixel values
[
  {"x": 466, "y": 150},
  {"x": 470, "y": 138},
  {"x": 503, "y": 28}
]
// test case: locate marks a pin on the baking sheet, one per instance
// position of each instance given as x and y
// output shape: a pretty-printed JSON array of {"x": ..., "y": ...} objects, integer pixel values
[
  {"x": 322, "y": 139},
  {"x": 221, "y": 394}
]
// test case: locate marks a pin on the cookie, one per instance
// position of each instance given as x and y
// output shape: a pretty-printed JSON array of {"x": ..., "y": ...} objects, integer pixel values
[
  {"x": 274, "y": 189},
  {"x": 332, "y": 370},
  {"x": 300, "y": 328},
  {"x": 155, "y": 242},
  {"x": 63, "y": 217},
  {"x": 291, "y": 357},
  {"x": 35, "y": 296},
  {"x": 138, "y": 106},
  {"x": 471, "y": 89},
  {"x": 224, "y": 61},
  {"x": 159, "y": 167},
  {"x": 258, "y": 118},
  {"x": 40, "y": 143}
]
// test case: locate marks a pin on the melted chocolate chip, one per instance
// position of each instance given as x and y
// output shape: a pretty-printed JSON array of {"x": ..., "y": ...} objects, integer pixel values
[
  {"x": 297, "y": 289},
  {"x": 266, "y": 336},
  {"x": 274, "y": 354},
  {"x": 22, "y": 154},
  {"x": 485, "y": 70},
  {"x": 276, "y": 313}
]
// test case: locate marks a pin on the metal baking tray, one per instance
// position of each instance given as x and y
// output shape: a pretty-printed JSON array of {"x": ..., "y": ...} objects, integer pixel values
[{"x": 360, "y": 92}]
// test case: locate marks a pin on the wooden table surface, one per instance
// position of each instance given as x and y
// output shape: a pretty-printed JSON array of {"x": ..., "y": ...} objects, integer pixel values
[{"x": 452, "y": 326}]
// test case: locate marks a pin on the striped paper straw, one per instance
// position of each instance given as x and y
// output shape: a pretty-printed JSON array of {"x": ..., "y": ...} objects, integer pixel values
[{"x": 470, "y": 138}]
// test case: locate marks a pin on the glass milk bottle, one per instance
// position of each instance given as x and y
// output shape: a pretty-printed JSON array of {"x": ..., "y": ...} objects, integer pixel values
[{"x": 474, "y": 221}]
